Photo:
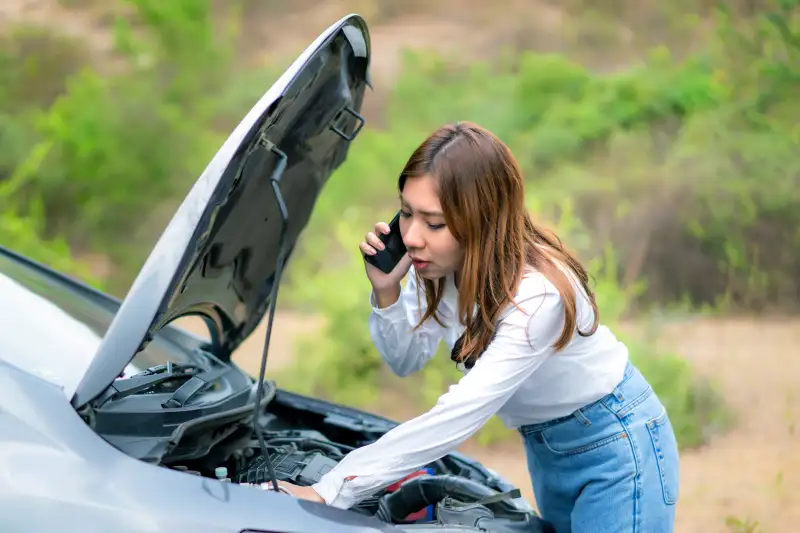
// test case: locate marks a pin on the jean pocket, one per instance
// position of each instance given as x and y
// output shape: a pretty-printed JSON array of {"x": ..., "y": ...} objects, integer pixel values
[
  {"x": 575, "y": 437},
  {"x": 665, "y": 447}
]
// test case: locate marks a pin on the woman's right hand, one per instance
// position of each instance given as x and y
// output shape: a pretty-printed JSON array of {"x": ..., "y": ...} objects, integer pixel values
[{"x": 385, "y": 286}]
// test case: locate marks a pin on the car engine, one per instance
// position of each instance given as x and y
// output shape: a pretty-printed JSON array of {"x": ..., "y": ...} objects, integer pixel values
[
  {"x": 299, "y": 457},
  {"x": 304, "y": 439},
  {"x": 445, "y": 493}
]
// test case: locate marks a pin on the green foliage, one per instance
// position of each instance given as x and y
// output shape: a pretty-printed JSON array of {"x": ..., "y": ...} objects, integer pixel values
[
  {"x": 340, "y": 362},
  {"x": 34, "y": 67},
  {"x": 673, "y": 180},
  {"x": 735, "y": 524},
  {"x": 107, "y": 150},
  {"x": 22, "y": 234},
  {"x": 687, "y": 167}
]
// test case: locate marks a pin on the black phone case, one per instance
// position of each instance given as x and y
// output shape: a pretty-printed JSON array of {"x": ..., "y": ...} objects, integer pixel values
[{"x": 387, "y": 259}]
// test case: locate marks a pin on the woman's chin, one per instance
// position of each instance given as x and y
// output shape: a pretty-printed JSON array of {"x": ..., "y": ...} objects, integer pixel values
[
  {"x": 426, "y": 272},
  {"x": 431, "y": 272}
]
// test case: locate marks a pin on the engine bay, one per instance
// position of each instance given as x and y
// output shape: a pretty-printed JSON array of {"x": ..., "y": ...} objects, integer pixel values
[
  {"x": 214, "y": 436},
  {"x": 306, "y": 438}
]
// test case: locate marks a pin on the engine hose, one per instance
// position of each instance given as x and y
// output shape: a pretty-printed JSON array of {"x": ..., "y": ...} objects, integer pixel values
[
  {"x": 418, "y": 493},
  {"x": 308, "y": 445}
]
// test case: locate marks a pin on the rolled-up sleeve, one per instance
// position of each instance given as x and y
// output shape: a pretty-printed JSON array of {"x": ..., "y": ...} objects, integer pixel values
[
  {"x": 522, "y": 343},
  {"x": 405, "y": 349}
]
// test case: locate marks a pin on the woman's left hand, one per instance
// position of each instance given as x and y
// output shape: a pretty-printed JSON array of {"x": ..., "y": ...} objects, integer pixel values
[{"x": 304, "y": 493}]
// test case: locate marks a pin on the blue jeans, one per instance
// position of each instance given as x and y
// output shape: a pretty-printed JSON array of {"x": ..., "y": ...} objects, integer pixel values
[{"x": 610, "y": 467}]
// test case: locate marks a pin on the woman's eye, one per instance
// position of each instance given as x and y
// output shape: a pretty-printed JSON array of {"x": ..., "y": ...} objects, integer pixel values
[
  {"x": 404, "y": 214},
  {"x": 436, "y": 226}
]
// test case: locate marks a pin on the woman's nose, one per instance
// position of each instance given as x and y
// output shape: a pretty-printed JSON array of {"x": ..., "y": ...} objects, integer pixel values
[{"x": 412, "y": 237}]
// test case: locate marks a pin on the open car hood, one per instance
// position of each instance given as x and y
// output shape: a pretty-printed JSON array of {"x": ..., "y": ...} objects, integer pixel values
[{"x": 217, "y": 257}]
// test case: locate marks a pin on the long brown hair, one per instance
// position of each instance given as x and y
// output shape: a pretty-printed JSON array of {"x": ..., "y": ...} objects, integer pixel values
[{"x": 481, "y": 190}]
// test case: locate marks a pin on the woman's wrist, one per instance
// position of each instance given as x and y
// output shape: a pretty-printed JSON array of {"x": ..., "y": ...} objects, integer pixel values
[
  {"x": 387, "y": 296},
  {"x": 298, "y": 491}
]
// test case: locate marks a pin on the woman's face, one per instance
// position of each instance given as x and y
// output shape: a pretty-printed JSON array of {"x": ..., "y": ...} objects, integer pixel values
[{"x": 431, "y": 246}]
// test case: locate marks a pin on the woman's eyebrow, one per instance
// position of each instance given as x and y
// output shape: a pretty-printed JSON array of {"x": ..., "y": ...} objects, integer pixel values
[{"x": 421, "y": 211}]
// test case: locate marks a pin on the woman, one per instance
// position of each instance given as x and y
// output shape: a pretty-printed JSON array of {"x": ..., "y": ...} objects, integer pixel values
[{"x": 518, "y": 313}]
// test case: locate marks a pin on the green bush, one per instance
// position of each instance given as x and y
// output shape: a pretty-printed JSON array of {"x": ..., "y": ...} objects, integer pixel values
[
  {"x": 105, "y": 152},
  {"x": 714, "y": 133},
  {"x": 666, "y": 178},
  {"x": 686, "y": 167},
  {"x": 22, "y": 234},
  {"x": 34, "y": 66},
  {"x": 676, "y": 180}
]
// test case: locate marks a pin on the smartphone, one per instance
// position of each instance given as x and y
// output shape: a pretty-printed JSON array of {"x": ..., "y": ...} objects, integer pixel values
[{"x": 387, "y": 259}]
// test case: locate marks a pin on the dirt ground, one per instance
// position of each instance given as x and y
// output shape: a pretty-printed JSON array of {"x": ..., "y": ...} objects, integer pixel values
[{"x": 750, "y": 472}]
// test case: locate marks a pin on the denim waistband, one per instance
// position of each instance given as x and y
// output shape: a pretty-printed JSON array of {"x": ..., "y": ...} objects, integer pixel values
[{"x": 630, "y": 390}]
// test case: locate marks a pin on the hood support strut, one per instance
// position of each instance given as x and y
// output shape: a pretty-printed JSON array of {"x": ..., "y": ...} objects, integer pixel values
[{"x": 275, "y": 180}]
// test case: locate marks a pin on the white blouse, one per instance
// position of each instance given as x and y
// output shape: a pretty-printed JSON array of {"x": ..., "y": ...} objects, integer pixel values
[{"x": 518, "y": 377}]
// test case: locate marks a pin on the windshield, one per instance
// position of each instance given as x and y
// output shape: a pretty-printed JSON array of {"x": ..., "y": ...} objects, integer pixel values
[{"x": 52, "y": 329}]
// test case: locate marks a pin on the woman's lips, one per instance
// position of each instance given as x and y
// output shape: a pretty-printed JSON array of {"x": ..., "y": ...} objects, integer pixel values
[{"x": 419, "y": 264}]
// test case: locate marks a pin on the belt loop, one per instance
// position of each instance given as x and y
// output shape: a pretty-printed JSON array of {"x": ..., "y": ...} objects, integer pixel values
[{"x": 582, "y": 418}]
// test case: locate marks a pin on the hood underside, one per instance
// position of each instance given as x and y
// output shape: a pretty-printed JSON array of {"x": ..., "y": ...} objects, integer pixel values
[{"x": 217, "y": 257}]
